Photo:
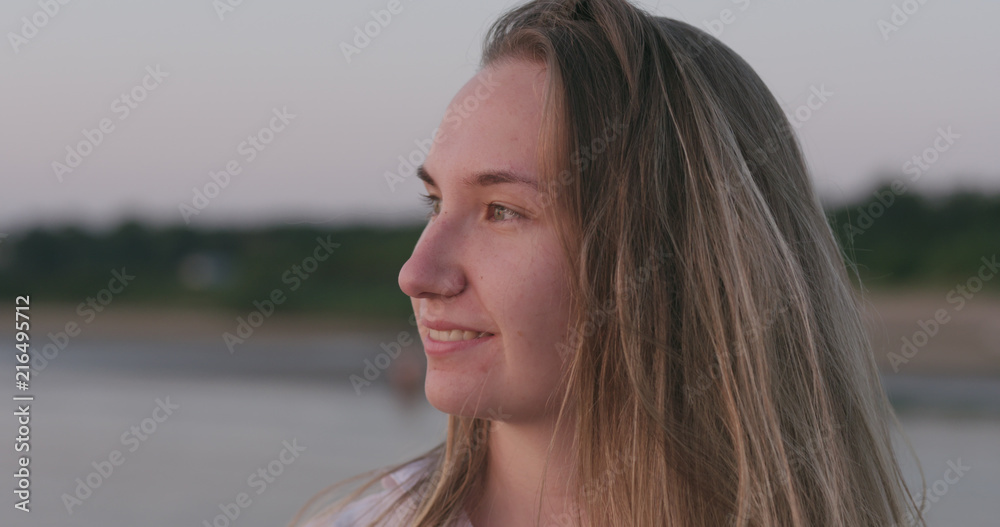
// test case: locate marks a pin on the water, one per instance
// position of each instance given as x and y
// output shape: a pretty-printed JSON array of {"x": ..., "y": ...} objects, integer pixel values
[{"x": 236, "y": 414}]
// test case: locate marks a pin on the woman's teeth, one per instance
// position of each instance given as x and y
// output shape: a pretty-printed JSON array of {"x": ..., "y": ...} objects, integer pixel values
[{"x": 455, "y": 334}]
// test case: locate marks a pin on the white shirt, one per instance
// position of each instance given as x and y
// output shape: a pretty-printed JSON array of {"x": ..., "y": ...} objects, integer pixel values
[{"x": 364, "y": 510}]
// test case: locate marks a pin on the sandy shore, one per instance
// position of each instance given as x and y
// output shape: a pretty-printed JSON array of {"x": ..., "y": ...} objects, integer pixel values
[
  {"x": 907, "y": 339},
  {"x": 968, "y": 343}
]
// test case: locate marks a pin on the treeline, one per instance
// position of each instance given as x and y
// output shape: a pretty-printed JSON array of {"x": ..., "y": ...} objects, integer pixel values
[
  {"x": 903, "y": 239},
  {"x": 347, "y": 270},
  {"x": 895, "y": 239}
]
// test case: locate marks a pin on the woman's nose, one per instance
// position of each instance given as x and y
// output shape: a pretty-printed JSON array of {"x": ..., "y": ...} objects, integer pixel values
[{"x": 435, "y": 268}]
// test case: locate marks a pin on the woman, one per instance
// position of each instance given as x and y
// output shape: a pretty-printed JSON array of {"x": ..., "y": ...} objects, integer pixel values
[{"x": 632, "y": 305}]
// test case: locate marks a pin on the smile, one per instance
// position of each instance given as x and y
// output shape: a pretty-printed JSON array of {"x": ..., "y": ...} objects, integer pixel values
[{"x": 455, "y": 335}]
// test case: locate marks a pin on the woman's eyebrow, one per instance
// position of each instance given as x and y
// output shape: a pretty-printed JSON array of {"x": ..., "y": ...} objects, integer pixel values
[{"x": 485, "y": 178}]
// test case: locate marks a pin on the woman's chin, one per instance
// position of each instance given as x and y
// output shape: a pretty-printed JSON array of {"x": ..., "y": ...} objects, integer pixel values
[{"x": 454, "y": 394}]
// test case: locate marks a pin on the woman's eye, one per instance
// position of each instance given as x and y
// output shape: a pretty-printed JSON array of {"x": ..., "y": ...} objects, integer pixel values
[
  {"x": 499, "y": 213},
  {"x": 494, "y": 211},
  {"x": 433, "y": 202}
]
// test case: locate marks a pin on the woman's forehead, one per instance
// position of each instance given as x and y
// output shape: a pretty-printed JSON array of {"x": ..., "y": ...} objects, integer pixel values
[
  {"x": 509, "y": 93},
  {"x": 494, "y": 120}
]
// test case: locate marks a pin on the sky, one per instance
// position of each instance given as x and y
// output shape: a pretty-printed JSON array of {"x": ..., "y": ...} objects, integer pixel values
[{"x": 116, "y": 110}]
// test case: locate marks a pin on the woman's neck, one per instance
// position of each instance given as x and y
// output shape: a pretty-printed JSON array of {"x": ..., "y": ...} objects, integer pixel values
[{"x": 516, "y": 456}]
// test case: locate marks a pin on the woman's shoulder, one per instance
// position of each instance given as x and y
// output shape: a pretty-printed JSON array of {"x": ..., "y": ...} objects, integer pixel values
[{"x": 364, "y": 510}]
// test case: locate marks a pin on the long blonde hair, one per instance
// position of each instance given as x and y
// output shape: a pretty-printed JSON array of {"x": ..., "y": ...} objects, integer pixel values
[{"x": 719, "y": 363}]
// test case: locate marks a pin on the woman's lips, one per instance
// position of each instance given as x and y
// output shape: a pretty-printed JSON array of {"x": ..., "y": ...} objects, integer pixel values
[
  {"x": 468, "y": 339},
  {"x": 455, "y": 335}
]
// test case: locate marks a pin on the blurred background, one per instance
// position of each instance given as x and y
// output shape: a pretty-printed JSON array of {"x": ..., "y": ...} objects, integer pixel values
[{"x": 209, "y": 202}]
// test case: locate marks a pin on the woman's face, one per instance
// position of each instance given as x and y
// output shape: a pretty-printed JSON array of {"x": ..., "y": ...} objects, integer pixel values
[{"x": 487, "y": 260}]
